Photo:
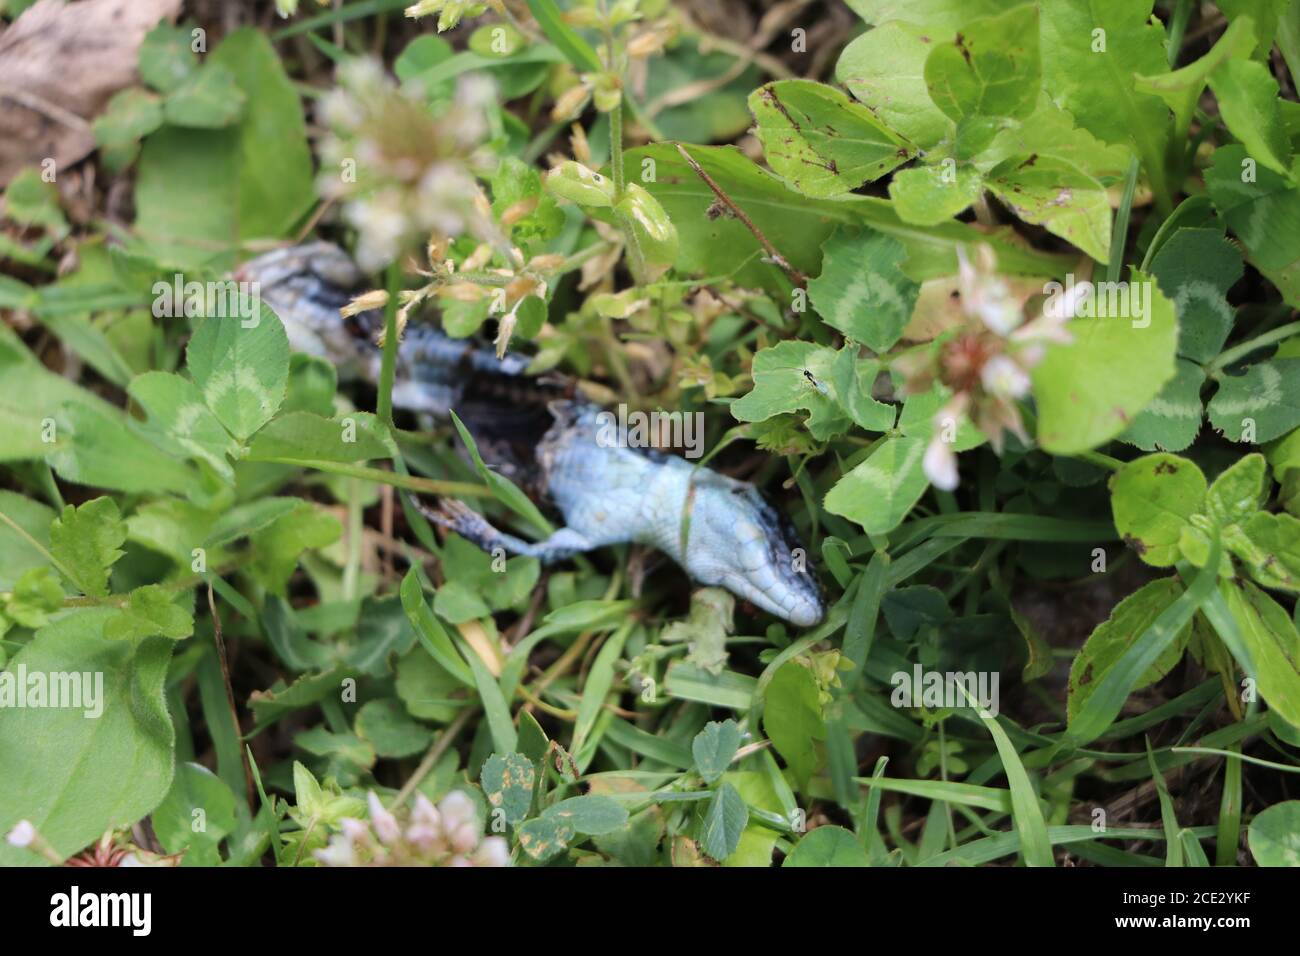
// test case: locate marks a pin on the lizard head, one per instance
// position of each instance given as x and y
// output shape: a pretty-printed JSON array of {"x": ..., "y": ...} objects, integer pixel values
[{"x": 739, "y": 541}]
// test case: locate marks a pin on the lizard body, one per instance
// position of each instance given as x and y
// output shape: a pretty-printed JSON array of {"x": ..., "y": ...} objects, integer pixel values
[{"x": 720, "y": 530}]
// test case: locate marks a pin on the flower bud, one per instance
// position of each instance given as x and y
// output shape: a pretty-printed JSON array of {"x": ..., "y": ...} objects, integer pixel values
[{"x": 580, "y": 185}]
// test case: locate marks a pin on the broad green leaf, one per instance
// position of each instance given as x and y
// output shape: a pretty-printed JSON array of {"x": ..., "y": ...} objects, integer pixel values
[
  {"x": 507, "y": 781},
  {"x": 862, "y": 290},
  {"x": 1239, "y": 491},
  {"x": 544, "y": 836},
  {"x": 457, "y": 602},
  {"x": 781, "y": 385},
  {"x": 270, "y": 705},
  {"x": 1153, "y": 498},
  {"x": 820, "y": 141},
  {"x": 304, "y": 436},
  {"x": 86, "y": 542},
  {"x": 132, "y": 114},
  {"x": 242, "y": 520},
  {"x": 427, "y": 689},
  {"x": 717, "y": 117},
  {"x": 920, "y": 411},
  {"x": 1249, "y": 106},
  {"x": 516, "y": 183},
  {"x": 1259, "y": 405},
  {"x": 828, "y": 846},
  {"x": 1096, "y": 47},
  {"x": 1112, "y": 688},
  {"x": 928, "y": 195},
  {"x": 885, "y": 69},
  {"x": 722, "y": 245},
  {"x": 277, "y": 547},
  {"x": 467, "y": 565},
  {"x": 793, "y": 720},
  {"x": 385, "y": 724},
  {"x": 1266, "y": 17},
  {"x": 242, "y": 367},
  {"x": 592, "y": 814},
  {"x": 1271, "y": 639},
  {"x": 17, "y": 553},
  {"x": 383, "y": 631},
  {"x": 208, "y": 99},
  {"x": 166, "y": 58},
  {"x": 991, "y": 68},
  {"x": 941, "y": 16},
  {"x": 73, "y": 777},
  {"x": 179, "y": 418},
  {"x": 758, "y": 790},
  {"x": 195, "y": 816},
  {"x": 1284, "y": 457},
  {"x": 1182, "y": 88},
  {"x": 187, "y": 184},
  {"x": 1172, "y": 420},
  {"x": 714, "y": 747},
  {"x": 1195, "y": 269},
  {"x": 724, "y": 822},
  {"x": 97, "y": 447},
  {"x": 1090, "y": 390},
  {"x": 1263, "y": 209},
  {"x": 1051, "y": 193},
  {"x": 1274, "y": 835},
  {"x": 276, "y": 187},
  {"x": 199, "y": 192},
  {"x": 1051, "y": 132},
  {"x": 1112, "y": 637},
  {"x": 1269, "y": 544},
  {"x": 880, "y": 492},
  {"x": 152, "y": 611},
  {"x": 852, "y": 381}
]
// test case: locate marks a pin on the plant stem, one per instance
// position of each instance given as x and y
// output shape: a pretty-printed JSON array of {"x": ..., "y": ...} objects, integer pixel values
[
  {"x": 1177, "y": 28},
  {"x": 772, "y": 253},
  {"x": 635, "y": 257},
  {"x": 435, "y": 753},
  {"x": 44, "y": 551},
  {"x": 427, "y": 486},
  {"x": 1258, "y": 342},
  {"x": 1098, "y": 459},
  {"x": 1120, "y": 231},
  {"x": 388, "y": 364}
]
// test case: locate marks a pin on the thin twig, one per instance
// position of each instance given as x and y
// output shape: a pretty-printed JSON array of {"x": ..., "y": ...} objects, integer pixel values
[
  {"x": 435, "y": 753},
  {"x": 230, "y": 691},
  {"x": 772, "y": 253}
]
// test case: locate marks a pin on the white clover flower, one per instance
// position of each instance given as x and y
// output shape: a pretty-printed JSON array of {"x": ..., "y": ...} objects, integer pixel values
[
  {"x": 493, "y": 851},
  {"x": 940, "y": 464},
  {"x": 384, "y": 823},
  {"x": 339, "y": 852},
  {"x": 1003, "y": 376},
  {"x": 22, "y": 835}
]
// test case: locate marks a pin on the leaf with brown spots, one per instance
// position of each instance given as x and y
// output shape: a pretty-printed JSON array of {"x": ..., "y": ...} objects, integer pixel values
[{"x": 822, "y": 142}]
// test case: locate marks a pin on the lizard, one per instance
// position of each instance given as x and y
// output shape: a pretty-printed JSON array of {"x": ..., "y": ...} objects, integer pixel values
[{"x": 720, "y": 530}]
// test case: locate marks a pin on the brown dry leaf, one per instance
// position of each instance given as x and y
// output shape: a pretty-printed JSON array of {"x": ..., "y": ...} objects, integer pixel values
[{"x": 60, "y": 63}]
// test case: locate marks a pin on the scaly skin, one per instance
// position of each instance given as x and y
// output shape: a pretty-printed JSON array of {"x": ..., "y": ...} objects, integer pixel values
[{"x": 721, "y": 531}]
